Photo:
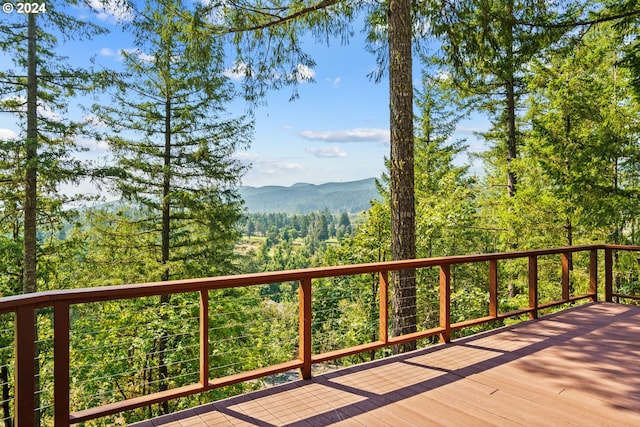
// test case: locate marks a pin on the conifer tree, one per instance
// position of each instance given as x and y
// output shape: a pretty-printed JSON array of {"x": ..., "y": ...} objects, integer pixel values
[
  {"x": 444, "y": 191},
  {"x": 36, "y": 87},
  {"x": 488, "y": 45},
  {"x": 584, "y": 136},
  {"x": 36, "y": 90},
  {"x": 172, "y": 142},
  {"x": 172, "y": 139}
]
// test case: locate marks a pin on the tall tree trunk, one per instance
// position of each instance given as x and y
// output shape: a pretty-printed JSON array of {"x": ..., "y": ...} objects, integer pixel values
[
  {"x": 31, "y": 169},
  {"x": 166, "y": 187},
  {"x": 512, "y": 153},
  {"x": 31, "y": 184},
  {"x": 568, "y": 226},
  {"x": 163, "y": 371},
  {"x": 403, "y": 239},
  {"x": 512, "y": 147},
  {"x": 512, "y": 141}
]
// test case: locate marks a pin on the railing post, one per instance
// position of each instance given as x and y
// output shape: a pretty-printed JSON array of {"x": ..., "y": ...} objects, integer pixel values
[
  {"x": 25, "y": 354},
  {"x": 493, "y": 288},
  {"x": 383, "y": 332},
  {"x": 608, "y": 275},
  {"x": 204, "y": 338},
  {"x": 61, "y": 332},
  {"x": 593, "y": 274},
  {"x": 445, "y": 302},
  {"x": 565, "y": 277},
  {"x": 304, "y": 313},
  {"x": 533, "y": 286}
]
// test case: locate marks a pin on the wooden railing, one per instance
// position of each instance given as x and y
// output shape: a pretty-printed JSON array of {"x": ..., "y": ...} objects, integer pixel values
[{"x": 24, "y": 308}]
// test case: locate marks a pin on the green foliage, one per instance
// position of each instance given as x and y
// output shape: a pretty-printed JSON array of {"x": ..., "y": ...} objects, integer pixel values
[
  {"x": 345, "y": 313},
  {"x": 10, "y": 265},
  {"x": 488, "y": 43},
  {"x": 172, "y": 142},
  {"x": 583, "y": 144},
  {"x": 445, "y": 194},
  {"x": 626, "y": 33},
  {"x": 43, "y": 154},
  {"x": 314, "y": 228}
]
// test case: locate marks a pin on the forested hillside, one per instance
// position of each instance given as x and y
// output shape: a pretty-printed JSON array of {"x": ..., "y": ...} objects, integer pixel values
[
  {"x": 350, "y": 197},
  {"x": 559, "y": 82}
]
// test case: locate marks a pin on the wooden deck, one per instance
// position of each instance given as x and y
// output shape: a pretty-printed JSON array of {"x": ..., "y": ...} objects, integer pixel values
[{"x": 578, "y": 367}]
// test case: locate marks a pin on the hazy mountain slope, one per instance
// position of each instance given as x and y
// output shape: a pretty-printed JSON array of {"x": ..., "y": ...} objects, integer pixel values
[{"x": 354, "y": 196}]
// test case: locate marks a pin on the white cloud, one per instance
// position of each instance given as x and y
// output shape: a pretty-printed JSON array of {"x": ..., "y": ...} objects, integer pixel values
[
  {"x": 137, "y": 52},
  {"x": 46, "y": 112},
  {"x": 335, "y": 82},
  {"x": 238, "y": 72},
  {"x": 7, "y": 134},
  {"x": 216, "y": 11},
  {"x": 105, "y": 51},
  {"x": 246, "y": 157},
  {"x": 94, "y": 120},
  {"x": 443, "y": 75},
  {"x": 348, "y": 135},
  {"x": 327, "y": 152},
  {"x": 469, "y": 130},
  {"x": 302, "y": 73},
  {"x": 92, "y": 144},
  {"x": 267, "y": 165},
  {"x": 115, "y": 10}
]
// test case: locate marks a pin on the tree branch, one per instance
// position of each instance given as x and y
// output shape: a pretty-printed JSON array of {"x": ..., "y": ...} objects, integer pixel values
[
  {"x": 587, "y": 22},
  {"x": 278, "y": 20}
]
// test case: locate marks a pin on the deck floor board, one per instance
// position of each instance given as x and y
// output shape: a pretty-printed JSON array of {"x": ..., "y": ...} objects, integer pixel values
[{"x": 577, "y": 367}]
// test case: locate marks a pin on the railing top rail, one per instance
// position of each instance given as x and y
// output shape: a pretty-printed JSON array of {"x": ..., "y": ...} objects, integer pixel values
[{"x": 103, "y": 293}]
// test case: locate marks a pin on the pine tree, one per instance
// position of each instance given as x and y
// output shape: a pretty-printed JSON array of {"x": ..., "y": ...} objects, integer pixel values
[
  {"x": 37, "y": 91},
  {"x": 401, "y": 160},
  {"x": 487, "y": 45},
  {"x": 445, "y": 202},
  {"x": 584, "y": 133},
  {"x": 173, "y": 141}
]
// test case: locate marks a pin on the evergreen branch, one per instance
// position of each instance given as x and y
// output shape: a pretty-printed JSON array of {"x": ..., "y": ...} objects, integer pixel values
[
  {"x": 279, "y": 20},
  {"x": 582, "y": 23}
]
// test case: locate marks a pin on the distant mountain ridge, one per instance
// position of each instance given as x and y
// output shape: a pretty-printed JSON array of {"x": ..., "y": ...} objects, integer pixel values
[{"x": 302, "y": 198}]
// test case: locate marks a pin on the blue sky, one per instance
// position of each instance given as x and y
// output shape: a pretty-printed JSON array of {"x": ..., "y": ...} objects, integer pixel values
[{"x": 336, "y": 131}]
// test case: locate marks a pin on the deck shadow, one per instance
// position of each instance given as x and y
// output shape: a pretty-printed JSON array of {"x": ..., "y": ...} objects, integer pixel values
[{"x": 568, "y": 350}]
